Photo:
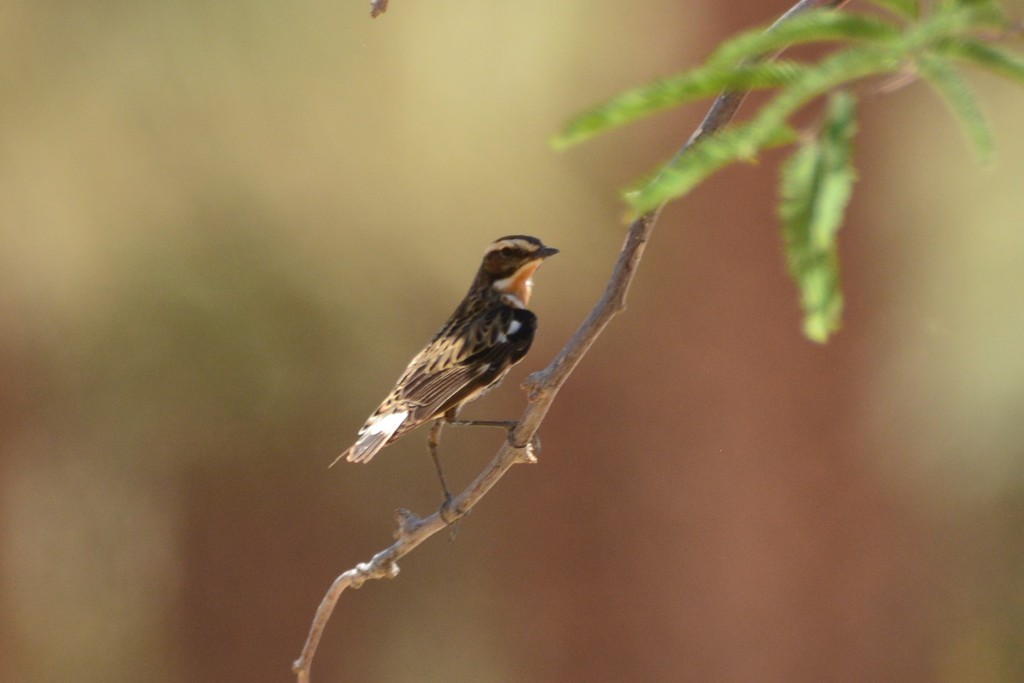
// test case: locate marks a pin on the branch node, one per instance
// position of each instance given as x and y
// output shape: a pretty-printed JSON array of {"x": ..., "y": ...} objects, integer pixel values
[
  {"x": 451, "y": 513},
  {"x": 527, "y": 453},
  {"x": 407, "y": 523},
  {"x": 537, "y": 385},
  {"x": 363, "y": 572},
  {"x": 534, "y": 383}
]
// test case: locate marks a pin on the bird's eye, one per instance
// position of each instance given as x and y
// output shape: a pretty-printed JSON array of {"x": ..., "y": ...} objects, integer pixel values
[{"x": 506, "y": 251}]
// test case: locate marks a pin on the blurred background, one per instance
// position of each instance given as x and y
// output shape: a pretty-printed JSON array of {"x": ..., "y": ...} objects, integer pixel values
[{"x": 227, "y": 227}]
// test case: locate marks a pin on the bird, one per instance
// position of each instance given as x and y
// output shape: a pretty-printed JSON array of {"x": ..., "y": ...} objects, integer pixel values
[{"x": 490, "y": 331}]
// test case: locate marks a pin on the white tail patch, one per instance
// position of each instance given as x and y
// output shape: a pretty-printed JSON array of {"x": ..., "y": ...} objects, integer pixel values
[
  {"x": 385, "y": 424},
  {"x": 374, "y": 436}
]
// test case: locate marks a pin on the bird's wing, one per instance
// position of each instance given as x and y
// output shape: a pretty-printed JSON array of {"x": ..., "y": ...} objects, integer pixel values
[
  {"x": 452, "y": 366},
  {"x": 449, "y": 371}
]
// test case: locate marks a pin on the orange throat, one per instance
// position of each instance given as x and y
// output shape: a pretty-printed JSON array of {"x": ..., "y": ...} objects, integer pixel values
[{"x": 517, "y": 287}]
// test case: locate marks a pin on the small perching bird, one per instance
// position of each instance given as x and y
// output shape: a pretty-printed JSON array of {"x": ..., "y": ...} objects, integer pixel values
[{"x": 488, "y": 333}]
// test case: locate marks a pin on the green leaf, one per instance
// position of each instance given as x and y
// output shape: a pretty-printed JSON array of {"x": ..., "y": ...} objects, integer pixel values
[
  {"x": 811, "y": 27},
  {"x": 985, "y": 55},
  {"x": 687, "y": 170},
  {"x": 817, "y": 182},
  {"x": 952, "y": 4},
  {"x": 951, "y": 20},
  {"x": 905, "y": 8},
  {"x": 697, "y": 84},
  {"x": 742, "y": 143},
  {"x": 948, "y": 83}
]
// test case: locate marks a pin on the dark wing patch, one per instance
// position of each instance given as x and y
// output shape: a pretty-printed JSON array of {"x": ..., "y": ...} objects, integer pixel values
[{"x": 459, "y": 363}]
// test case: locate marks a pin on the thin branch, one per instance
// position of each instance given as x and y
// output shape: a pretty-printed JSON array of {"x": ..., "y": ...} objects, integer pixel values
[{"x": 541, "y": 386}]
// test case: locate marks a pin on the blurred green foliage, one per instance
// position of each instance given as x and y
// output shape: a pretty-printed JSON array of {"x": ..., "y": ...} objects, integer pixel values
[{"x": 868, "y": 47}]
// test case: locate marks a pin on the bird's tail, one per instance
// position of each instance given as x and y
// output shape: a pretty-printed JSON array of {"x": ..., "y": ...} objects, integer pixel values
[{"x": 373, "y": 437}]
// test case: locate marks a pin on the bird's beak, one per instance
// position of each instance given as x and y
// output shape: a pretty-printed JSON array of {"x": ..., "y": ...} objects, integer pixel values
[{"x": 544, "y": 252}]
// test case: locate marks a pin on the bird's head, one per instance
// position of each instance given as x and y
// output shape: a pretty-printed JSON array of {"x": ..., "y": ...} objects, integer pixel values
[{"x": 509, "y": 264}]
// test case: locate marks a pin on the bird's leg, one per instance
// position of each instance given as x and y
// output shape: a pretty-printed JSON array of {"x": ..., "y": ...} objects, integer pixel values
[
  {"x": 504, "y": 424},
  {"x": 433, "y": 441},
  {"x": 532, "y": 447},
  {"x": 507, "y": 425}
]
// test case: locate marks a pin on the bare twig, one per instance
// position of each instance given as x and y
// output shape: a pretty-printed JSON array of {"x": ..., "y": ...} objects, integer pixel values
[{"x": 542, "y": 387}]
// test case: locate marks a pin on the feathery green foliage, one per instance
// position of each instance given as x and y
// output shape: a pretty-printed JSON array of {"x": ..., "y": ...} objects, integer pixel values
[
  {"x": 693, "y": 85},
  {"x": 816, "y": 184},
  {"x": 767, "y": 129},
  {"x": 991, "y": 57},
  {"x": 948, "y": 83},
  {"x": 906, "y": 8},
  {"x": 954, "y": 21},
  {"x": 678, "y": 177},
  {"x": 816, "y": 181},
  {"x": 816, "y": 26}
]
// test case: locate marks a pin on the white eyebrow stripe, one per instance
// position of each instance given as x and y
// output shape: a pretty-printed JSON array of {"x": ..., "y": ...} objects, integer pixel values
[{"x": 524, "y": 245}]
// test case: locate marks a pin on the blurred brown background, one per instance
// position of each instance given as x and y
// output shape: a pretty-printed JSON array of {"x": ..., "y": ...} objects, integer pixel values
[{"x": 227, "y": 227}]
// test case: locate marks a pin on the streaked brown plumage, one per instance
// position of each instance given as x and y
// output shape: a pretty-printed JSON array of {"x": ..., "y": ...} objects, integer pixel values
[{"x": 488, "y": 333}]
